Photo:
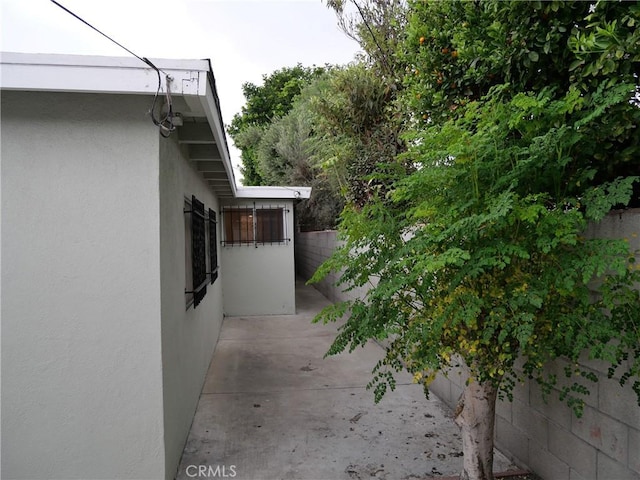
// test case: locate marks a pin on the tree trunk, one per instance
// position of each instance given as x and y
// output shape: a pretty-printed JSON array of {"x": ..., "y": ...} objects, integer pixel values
[{"x": 475, "y": 416}]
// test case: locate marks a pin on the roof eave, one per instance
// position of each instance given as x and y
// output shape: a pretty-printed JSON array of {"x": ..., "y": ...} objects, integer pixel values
[
  {"x": 191, "y": 79},
  {"x": 274, "y": 192}
]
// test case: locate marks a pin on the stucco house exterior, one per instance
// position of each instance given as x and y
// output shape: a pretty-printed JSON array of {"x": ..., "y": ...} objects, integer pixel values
[{"x": 124, "y": 245}]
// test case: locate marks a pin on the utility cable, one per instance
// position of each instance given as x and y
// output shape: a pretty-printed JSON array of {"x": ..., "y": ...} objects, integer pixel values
[{"x": 165, "y": 124}]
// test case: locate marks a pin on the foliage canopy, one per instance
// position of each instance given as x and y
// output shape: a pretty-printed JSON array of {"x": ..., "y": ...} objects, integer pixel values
[
  {"x": 476, "y": 246},
  {"x": 264, "y": 104},
  {"x": 458, "y": 51}
]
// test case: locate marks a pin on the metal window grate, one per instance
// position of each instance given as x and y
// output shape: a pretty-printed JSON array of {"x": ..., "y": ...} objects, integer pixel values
[
  {"x": 213, "y": 245},
  {"x": 238, "y": 226},
  {"x": 269, "y": 225},
  {"x": 255, "y": 225},
  {"x": 198, "y": 251}
]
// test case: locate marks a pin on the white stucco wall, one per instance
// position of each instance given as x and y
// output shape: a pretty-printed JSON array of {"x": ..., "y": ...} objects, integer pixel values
[
  {"x": 188, "y": 337},
  {"x": 260, "y": 281},
  {"x": 81, "y": 345}
]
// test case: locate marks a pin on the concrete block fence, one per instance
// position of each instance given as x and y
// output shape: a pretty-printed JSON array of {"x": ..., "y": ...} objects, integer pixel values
[
  {"x": 545, "y": 437},
  {"x": 313, "y": 248}
]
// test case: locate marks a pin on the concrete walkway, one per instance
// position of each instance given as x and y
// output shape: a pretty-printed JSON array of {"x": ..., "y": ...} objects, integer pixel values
[{"x": 273, "y": 408}]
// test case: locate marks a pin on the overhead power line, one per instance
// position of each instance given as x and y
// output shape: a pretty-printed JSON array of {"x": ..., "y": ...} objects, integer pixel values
[{"x": 166, "y": 123}]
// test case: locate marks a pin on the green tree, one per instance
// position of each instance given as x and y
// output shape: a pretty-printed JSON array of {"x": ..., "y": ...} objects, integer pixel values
[
  {"x": 379, "y": 27},
  {"x": 264, "y": 103},
  {"x": 286, "y": 155},
  {"x": 360, "y": 131},
  {"x": 478, "y": 250},
  {"x": 361, "y": 119},
  {"x": 341, "y": 127},
  {"x": 457, "y": 51}
]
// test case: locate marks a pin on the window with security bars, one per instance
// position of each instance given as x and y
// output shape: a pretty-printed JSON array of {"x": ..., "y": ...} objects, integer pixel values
[
  {"x": 213, "y": 245},
  {"x": 264, "y": 225},
  {"x": 198, "y": 251},
  {"x": 201, "y": 241}
]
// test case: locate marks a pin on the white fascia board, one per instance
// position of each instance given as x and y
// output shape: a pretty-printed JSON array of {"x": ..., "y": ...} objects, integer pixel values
[
  {"x": 93, "y": 74},
  {"x": 274, "y": 192},
  {"x": 118, "y": 75}
]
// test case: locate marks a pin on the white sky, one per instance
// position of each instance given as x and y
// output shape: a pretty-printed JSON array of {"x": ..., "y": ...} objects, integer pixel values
[{"x": 243, "y": 38}]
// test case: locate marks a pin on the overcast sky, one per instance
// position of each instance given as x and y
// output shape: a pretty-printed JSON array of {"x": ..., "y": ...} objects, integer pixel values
[{"x": 243, "y": 38}]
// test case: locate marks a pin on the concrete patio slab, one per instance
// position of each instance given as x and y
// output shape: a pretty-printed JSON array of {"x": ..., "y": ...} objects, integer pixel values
[{"x": 273, "y": 408}]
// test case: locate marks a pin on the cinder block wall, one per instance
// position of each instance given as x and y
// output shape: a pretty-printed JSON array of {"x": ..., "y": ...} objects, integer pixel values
[
  {"x": 546, "y": 437},
  {"x": 311, "y": 250}
]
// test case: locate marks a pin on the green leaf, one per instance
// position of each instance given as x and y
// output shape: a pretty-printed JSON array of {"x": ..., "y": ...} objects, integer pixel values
[{"x": 575, "y": 64}]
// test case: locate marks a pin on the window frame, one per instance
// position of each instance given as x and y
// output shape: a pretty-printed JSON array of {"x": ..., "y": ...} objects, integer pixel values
[
  {"x": 201, "y": 248},
  {"x": 239, "y": 231}
]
